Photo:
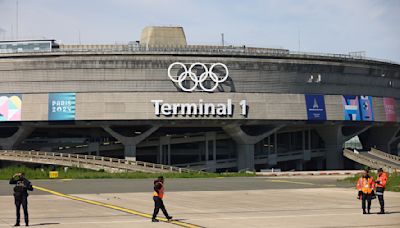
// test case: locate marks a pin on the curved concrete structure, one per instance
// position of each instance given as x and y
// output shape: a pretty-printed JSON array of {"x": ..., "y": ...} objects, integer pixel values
[{"x": 262, "y": 106}]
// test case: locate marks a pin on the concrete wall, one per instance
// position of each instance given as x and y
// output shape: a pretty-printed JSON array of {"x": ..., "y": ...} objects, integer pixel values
[
  {"x": 138, "y": 106},
  {"x": 148, "y": 73}
]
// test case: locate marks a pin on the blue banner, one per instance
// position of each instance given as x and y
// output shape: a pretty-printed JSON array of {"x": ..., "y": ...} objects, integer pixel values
[
  {"x": 62, "y": 106},
  {"x": 351, "y": 109},
  {"x": 367, "y": 113},
  {"x": 315, "y": 105}
]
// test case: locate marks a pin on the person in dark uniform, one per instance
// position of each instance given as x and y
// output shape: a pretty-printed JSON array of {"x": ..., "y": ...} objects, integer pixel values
[
  {"x": 380, "y": 188},
  {"x": 22, "y": 186},
  {"x": 158, "y": 199}
]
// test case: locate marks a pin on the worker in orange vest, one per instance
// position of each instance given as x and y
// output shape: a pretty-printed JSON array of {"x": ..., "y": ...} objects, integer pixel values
[
  {"x": 365, "y": 185},
  {"x": 380, "y": 188},
  {"x": 158, "y": 199}
]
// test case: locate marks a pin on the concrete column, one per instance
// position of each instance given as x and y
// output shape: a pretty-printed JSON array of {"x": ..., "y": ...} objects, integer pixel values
[
  {"x": 334, "y": 139},
  {"x": 130, "y": 152},
  {"x": 211, "y": 164},
  {"x": 11, "y": 142},
  {"x": 165, "y": 154},
  {"x": 381, "y": 138},
  {"x": 299, "y": 165},
  {"x": 245, "y": 144},
  {"x": 94, "y": 147},
  {"x": 245, "y": 155},
  {"x": 130, "y": 142}
]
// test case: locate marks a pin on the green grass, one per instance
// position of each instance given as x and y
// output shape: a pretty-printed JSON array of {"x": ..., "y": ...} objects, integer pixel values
[
  {"x": 393, "y": 183},
  {"x": 76, "y": 173}
]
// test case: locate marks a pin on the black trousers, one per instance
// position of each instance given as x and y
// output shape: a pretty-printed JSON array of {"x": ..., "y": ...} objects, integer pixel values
[
  {"x": 159, "y": 204},
  {"x": 23, "y": 200},
  {"x": 366, "y": 198},
  {"x": 379, "y": 193}
]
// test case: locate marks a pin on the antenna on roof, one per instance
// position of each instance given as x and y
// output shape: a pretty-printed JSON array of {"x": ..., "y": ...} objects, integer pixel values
[
  {"x": 222, "y": 39},
  {"x": 16, "y": 17}
]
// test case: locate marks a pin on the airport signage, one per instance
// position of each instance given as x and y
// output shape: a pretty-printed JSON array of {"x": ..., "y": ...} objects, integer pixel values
[
  {"x": 61, "y": 106},
  {"x": 315, "y": 105},
  {"x": 200, "y": 108}
]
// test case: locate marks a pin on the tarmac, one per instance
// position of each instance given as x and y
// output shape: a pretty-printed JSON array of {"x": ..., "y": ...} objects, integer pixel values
[{"x": 219, "y": 202}]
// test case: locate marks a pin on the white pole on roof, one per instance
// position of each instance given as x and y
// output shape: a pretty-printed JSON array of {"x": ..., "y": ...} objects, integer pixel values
[{"x": 16, "y": 32}]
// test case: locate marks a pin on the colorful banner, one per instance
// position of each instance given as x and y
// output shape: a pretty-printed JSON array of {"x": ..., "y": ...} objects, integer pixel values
[
  {"x": 315, "y": 105},
  {"x": 10, "y": 107},
  {"x": 390, "y": 109},
  {"x": 367, "y": 113},
  {"x": 62, "y": 106},
  {"x": 351, "y": 108}
]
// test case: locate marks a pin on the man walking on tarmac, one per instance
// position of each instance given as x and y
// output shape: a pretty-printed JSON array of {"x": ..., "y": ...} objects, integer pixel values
[
  {"x": 22, "y": 186},
  {"x": 380, "y": 188},
  {"x": 158, "y": 199},
  {"x": 365, "y": 186}
]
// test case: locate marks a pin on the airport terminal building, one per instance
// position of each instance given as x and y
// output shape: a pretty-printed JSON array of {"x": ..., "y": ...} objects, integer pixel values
[{"x": 208, "y": 107}]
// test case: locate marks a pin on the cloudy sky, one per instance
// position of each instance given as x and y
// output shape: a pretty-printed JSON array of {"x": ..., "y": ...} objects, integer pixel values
[{"x": 339, "y": 26}]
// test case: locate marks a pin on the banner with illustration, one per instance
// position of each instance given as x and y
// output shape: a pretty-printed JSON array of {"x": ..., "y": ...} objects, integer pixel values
[
  {"x": 62, "y": 106},
  {"x": 367, "y": 114},
  {"x": 10, "y": 107},
  {"x": 351, "y": 109},
  {"x": 390, "y": 109},
  {"x": 315, "y": 105},
  {"x": 358, "y": 108}
]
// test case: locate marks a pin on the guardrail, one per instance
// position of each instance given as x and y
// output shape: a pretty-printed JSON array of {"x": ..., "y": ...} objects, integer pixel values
[
  {"x": 368, "y": 161},
  {"x": 382, "y": 154},
  {"x": 260, "y": 159},
  {"x": 88, "y": 161},
  {"x": 199, "y": 49}
]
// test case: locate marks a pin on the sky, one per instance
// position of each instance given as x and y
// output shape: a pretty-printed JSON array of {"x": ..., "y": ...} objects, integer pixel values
[{"x": 327, "y": 26}]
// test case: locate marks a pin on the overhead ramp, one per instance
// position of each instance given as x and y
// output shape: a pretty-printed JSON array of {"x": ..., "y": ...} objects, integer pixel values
[
  {"x": 112, "y": 165},
  {"x": 375, "y": 159}
]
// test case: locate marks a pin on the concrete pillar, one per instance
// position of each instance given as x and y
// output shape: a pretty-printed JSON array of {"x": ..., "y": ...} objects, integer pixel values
[
  {"x": 381, "y": 138},
  {"x": 165, "y": 150},
  {"x": 299, "y": 165},
  {"x": 334, "y": 139},
  {"x": 94, "y": 147},
  {"x": 130, "y": 142},
  {"x": 245, "y": 155},
  {"x": 11, "y": 142},
  {"x": 211, "y": 164},
  {"x": 130, "y": 152}
]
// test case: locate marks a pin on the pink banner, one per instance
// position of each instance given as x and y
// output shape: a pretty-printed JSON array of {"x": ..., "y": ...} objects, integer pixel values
[{"x": 390, "y": 109}]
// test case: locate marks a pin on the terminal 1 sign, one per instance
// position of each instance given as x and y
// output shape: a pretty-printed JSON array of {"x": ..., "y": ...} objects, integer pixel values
[
  {"x": 202, "y": 77},
  {"x": 200, "y": 108}
]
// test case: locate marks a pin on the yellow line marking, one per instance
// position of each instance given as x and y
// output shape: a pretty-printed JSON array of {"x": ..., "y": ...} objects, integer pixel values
[
  {"x": 129, "y": 211},
  {"x": 292, "y": 182}
]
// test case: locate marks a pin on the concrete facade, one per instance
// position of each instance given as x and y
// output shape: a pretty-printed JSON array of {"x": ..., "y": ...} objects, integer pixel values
[{"x": 115, "y": 115}]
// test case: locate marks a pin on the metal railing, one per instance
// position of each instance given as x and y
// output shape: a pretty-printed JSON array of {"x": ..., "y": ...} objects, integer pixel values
[
  {"x": 381, "y": 154},
  {"x": 362, "y": 159},
  {"x": 259, "y": 159},
  {"x": 78, "y": 159},
  {"x": 198, "y": 49}
]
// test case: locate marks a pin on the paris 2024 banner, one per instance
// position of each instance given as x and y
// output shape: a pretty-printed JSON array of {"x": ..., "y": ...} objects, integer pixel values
[{"x": 62, "y": 106}]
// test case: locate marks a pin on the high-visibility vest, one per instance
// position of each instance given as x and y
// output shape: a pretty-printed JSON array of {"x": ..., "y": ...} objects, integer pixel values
[
  {"x": 159, "y": 193},
  {"x": 365, "y": 185},
  {"x": 383, "y": 179}
]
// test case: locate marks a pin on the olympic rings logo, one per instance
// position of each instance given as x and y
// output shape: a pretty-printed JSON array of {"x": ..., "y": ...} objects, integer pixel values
[{"x": 190, "y": 77}]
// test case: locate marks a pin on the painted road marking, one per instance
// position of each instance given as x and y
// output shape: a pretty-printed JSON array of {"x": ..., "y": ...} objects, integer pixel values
[
  {"x": 302, "y": 183},
  {"x": 291, "y": 182},
  {"x": 114, "y": 207}
]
